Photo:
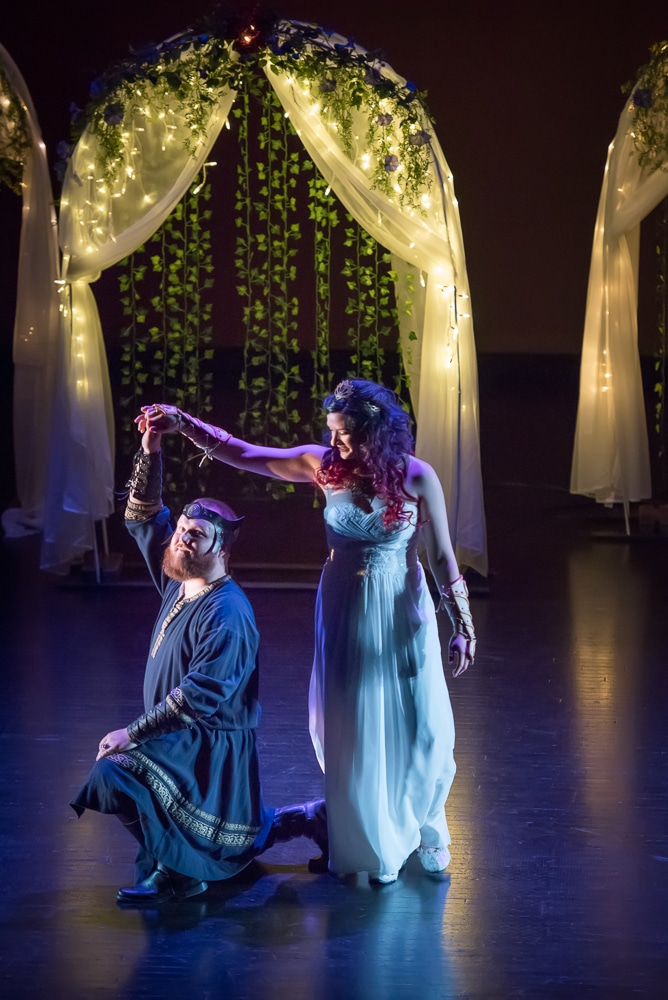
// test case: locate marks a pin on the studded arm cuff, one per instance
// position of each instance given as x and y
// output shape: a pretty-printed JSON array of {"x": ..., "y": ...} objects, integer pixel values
[
  {"x": 455, "y": 600},
  {"x": 145, "y": 486},
  {"x": 166, "y": 717}
]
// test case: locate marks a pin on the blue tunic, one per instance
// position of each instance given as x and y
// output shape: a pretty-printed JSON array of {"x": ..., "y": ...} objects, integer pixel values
[{"x": 196, "y": 791}]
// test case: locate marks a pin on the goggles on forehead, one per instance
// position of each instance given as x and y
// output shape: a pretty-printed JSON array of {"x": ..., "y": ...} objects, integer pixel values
[{"x": 197, "y": 511}]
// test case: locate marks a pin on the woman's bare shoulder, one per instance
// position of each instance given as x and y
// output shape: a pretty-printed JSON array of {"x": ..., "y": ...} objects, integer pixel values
[{"x": 419, "y": 475}]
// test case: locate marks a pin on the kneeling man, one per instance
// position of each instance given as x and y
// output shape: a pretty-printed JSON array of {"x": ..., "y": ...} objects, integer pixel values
[{"x": 184, "y": 776}]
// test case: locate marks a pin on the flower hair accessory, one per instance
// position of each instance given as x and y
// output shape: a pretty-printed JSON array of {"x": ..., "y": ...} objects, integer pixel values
[{"x": 344, "y": 390}]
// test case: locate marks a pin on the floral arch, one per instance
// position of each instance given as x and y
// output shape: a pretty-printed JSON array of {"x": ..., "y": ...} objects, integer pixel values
[
  {"x": 147, "y": 135},
  {"x": 611, "y": 460}
]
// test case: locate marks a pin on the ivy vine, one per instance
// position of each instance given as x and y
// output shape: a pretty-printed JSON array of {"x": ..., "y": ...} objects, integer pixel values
[
  {"x": 186, "y": 75},
  {"x": 15, "y": 144},
  {"x": 266, "y": 246},
  {"x": 649, "y": 130},
  {"x": 649, "y": 107},
  {"x": 324, "y": 214},
  {"x": 370, "y": 304},
  {"x": 661, "y": 247},
  {"x": 166, "y": 349},
  {"x": 166, "y": 344}
]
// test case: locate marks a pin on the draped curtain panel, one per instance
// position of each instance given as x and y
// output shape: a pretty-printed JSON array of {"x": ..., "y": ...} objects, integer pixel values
[
  {"x": 442, "y": 364},
  {"x": 611, "y": 451},
  {"x": 36, "y": 344},
  {"x": 101, "y": 222}
]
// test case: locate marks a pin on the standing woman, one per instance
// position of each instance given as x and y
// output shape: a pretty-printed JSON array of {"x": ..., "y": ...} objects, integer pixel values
[{"x": 379, "y": 711}]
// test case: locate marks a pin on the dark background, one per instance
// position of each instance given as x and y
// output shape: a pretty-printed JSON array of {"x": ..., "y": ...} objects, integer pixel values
[{"x": 526, "y": 98}]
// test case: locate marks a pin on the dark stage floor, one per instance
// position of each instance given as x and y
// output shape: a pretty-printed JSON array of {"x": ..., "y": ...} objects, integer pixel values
[{"x": 559, "y": 813}]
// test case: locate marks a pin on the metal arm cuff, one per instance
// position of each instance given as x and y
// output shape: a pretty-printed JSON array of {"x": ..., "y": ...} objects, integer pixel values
[
  {"x": 205, "y": 436},
  {"x": 455, "y": 600}
]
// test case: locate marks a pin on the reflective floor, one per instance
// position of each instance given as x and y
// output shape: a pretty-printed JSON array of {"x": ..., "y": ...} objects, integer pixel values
[{"x": 559, "y": 812}]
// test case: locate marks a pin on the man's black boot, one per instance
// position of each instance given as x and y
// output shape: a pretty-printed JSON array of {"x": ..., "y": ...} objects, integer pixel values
[
  {"x": 308, "y": 819},
  {"x": 160, "y": 886}
]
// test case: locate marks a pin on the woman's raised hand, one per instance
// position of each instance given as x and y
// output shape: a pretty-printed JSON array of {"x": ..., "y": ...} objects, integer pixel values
[{"x": 159, "y": 417}]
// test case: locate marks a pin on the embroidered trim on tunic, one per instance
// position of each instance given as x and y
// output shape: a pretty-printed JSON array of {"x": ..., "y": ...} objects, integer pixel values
[
  {"x": 183, "y": 812},
  {"x": 179, "y": 604},
  {"x": 176, "y": 701}
]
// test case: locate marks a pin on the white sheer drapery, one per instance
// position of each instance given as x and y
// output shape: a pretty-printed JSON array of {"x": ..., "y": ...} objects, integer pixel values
[
  {"x": 611, "y": 452},
  {"x": 101, "y": 223},
  {"x": 36, "y": 328},
  {"x": 427, "y": 249}
]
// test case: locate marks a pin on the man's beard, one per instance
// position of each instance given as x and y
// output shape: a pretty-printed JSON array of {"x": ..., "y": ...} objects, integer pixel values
[{"x": 182, "y": 565}]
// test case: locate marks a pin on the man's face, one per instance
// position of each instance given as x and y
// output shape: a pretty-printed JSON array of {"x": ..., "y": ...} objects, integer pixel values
[{"x": 190, "y": 553}]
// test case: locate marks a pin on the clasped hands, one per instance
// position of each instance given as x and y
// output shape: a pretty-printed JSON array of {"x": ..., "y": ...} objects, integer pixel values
[
  {"x": 160, "y": 418},
  {"x": 154, "y": 421}
]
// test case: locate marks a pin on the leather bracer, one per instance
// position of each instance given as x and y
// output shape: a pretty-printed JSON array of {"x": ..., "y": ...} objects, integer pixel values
[
  {"x": 166, "y": 717},
  {"x": 145, "y": 482}
]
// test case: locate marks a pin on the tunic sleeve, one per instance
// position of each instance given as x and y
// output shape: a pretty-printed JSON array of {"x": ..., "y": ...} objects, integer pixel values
[
  {"x": 152, "y": 536},
  {"x": 221, "y": 684}
]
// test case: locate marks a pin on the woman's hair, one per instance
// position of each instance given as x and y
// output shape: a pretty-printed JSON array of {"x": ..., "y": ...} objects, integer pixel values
[{"x": 382, "y": 438}]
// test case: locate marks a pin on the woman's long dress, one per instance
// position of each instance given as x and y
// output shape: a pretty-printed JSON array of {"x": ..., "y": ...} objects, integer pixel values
[{"x": 379, "y": 709}]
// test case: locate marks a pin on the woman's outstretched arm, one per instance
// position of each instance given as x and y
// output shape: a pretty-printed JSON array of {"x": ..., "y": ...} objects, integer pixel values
[{"x": 295, "y": 465}]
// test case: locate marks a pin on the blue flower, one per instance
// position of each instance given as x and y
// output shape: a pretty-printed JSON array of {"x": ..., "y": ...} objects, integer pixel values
[
  {"x": 113, "y": 114},
  {"x": 642, "y": 98},
  {"x": 420, "y": 138},
  {"x": 409, "y": 94},
  {"x": 391, "y": 163},
  {"x": 64, "y": 150},
  {"x": 327, "y": 85},
  {"x": 372, "y": 77},
  {"x": 384, "y": 120}
]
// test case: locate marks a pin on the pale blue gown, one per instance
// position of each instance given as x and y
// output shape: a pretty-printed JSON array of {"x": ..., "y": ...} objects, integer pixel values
[{"x": 379, "y": 710}]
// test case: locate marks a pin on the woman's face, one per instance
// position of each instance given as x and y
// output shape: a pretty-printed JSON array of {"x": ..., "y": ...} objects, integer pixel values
[{"x": 340, "y": 436}]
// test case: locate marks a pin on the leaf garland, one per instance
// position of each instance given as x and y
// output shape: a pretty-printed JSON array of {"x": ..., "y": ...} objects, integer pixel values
[
  {"x": 15, "y": 143},
  {"x": 649, "y": 130},
  {"x": 167, "y": 342},
  {"x": 324, "y": 214},
  {"x": 649, "y": 106},
  {"x": 661, "y": 248},
  {"x": 186, "y": 75},
  {"x": 166, "y": 345}
]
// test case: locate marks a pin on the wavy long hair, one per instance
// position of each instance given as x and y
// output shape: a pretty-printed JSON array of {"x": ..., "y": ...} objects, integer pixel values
[{"x": 382, "y": 438}]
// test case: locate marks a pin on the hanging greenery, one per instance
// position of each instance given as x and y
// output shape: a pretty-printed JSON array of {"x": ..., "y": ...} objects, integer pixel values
[
  {"x": 324, "y": 214},
  {"x": 167, "y": 348},
  {"x": 342, "y": 79},
  {"x": 370, "y": 301},
  {"x": 649, "y": 129},
  {"x": 187, "y": 74},
  {"x": 266, "y": 246},
  {"x": 660, "y": 352},
  {"x": 15, "y": 144},
  {"x": 166, "y": 344},
  {"x": 649, "y": 107}
]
